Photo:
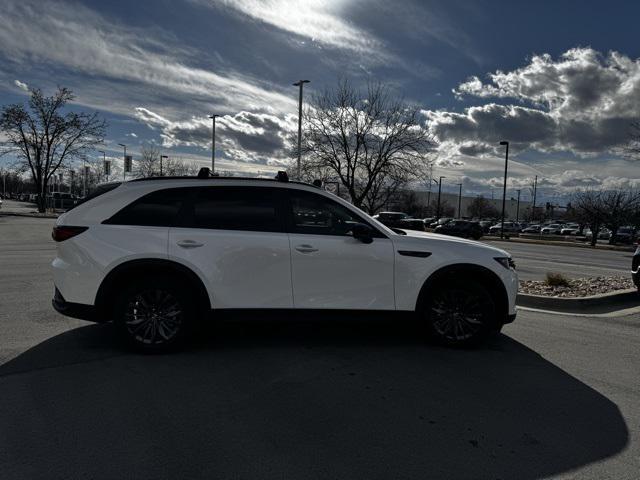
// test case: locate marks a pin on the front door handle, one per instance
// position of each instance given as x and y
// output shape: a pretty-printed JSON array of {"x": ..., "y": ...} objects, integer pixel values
[
  {"x": 306, "y": 249},
  {"x": 189, "y": 244}
]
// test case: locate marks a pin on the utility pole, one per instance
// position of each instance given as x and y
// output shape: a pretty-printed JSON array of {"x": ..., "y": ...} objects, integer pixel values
[
  {"x": 299, "y": 83},
  {"x": 213, "y": 143},
  {"x": 518, "y": 207},
  {"x": 124, "y": 160},
  {"x": 84, "y": 175},
  {"x": 504, "y": 186},
  {"x": 459, "y": 200},
  {"x": 161, "y": 157},
  {"x": 439, "y": 193},
  {"x": 535, "y": 191}
]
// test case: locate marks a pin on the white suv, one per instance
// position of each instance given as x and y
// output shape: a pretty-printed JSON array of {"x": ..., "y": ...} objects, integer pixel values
[{"x": 155, "y": 255}]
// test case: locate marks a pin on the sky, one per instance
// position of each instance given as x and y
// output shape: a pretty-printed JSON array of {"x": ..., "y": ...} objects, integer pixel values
[{"x": 560, "y": 80}]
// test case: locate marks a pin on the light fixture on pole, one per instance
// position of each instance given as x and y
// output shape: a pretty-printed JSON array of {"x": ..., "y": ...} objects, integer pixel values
[
  {"x": 213, "y": 142},
  {"x": 439, "y": 193},
  {"x": 459, "y": 200},
  {"x": 504, "y": 186},
  {"x": 299, "y": 83},
  {"x": 124, "y": 170},
  {"x": 161, "y": 157}
]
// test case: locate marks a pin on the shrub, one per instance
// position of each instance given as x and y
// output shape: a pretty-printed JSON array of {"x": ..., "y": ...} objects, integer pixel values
[{"x": 556, "y": 280}]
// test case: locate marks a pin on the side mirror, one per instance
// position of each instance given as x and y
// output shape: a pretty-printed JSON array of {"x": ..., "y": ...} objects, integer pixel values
[{"x": 362, "y": 232}]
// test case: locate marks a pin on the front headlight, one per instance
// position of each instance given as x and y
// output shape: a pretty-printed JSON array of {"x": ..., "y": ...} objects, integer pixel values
[{"x": 506, "y": 262}]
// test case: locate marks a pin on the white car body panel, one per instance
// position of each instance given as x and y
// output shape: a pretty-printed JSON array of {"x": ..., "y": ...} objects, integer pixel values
[
  {"x": 240, "y": 269},
  {"x": 243, "y": 269},
  {"x": 342, "y": 272}
]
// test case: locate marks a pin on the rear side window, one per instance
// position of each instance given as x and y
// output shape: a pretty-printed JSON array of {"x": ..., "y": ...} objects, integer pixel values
[
  {"x": 99, "y": 190},
  {"x": 156, "y": 209},
  {"x": 236, "y": 208}
]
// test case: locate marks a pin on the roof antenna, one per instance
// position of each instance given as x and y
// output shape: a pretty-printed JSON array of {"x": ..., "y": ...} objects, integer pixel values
[{"x": 282, "y": 176}]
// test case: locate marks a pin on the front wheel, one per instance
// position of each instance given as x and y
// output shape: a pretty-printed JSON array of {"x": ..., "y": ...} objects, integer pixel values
[
  {"x": 154, "y": 314},
  {"x": 460, "y": 314}
]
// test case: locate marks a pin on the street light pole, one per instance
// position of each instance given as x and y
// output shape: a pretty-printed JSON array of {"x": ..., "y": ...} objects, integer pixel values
[
  {"x": 518, "y": 207},
  {"x": 161, "y": 157},
  {"x": 439, "y": 193},
  {"x": 299, "y": 83},
  {"x": 124, "y": 160},
  {"x": 104, "y": 162},
  {"x": 535, "y": 191},
  {"x": 459, "y": 200},
  {"x": 213, "y": 142},
  {"x": 504, "y": 186}
]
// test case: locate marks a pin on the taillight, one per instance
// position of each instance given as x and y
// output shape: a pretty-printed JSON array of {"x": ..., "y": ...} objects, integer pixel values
[{"x": 65, "y": 232}]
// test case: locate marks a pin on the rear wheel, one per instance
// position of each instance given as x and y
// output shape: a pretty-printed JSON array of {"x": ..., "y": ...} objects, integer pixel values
[
  {"x": 154, "y": 314},
  {"x": 460, "y": 314}
]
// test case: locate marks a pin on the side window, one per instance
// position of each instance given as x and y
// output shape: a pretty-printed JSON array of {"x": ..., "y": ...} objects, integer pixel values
[
  {"x": 315, "y": 214},
  {"x": 236, "y": 208},
  {"x": 156, "y": 209}
]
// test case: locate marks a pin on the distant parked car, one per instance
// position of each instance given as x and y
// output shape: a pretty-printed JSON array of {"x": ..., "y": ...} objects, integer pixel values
[
  {"x": 532, "y": 229},
  {"x": 604, "y": 234},
  {"x": 624, "y": 235},
  {"x": 570, "y": 229},
  {"x": 63, "y": 200},
  {"x": 440, "y": 221},
  {"x": 553, "y": 229},
  {"x": 486, "y": 225},
  {"x": 400, "y": 220},
  {"x": 509, "y": 227},
  {"x": 461, "y": 228}
]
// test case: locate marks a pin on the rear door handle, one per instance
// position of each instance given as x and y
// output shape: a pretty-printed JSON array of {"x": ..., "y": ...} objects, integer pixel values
[
  {"x": 306, "y": 249},
  {"x": 189, "y": 244}
]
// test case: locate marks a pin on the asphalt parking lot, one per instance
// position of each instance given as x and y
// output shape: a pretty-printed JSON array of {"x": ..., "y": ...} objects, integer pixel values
[{"x": 552, "y": 397}]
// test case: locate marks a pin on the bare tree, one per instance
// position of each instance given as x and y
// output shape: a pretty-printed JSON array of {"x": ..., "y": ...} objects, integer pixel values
[
  {"x": 149, "y": 161},
  {"x": 620, "y": 208},
  {"x": 371, "y": 143},
  {"x": 480, "y": 207},
  {"x": 44, "y": 138},
  {"x": 589, "y": 210}
]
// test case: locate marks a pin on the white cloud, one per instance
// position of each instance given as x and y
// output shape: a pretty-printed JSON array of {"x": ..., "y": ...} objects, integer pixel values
[
  {"x": 259, "y": 138},
  {"x": 318, "y": 20},
  {"x": 582, "y": 102},
  {"x": 21, "y": 85},
  {"x": 71, "y": 35}
]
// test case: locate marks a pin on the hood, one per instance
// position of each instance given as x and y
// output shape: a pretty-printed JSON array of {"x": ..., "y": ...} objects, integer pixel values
[{"x": 415, "y": 238}]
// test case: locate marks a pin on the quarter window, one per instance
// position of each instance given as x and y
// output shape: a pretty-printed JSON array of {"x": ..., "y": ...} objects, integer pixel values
[{"x": 156, "y": 209}]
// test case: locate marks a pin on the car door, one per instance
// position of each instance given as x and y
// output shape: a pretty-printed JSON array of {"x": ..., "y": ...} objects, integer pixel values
[
  {"x": 234, "y": 236},
  {"x": 329, "y": 267}
]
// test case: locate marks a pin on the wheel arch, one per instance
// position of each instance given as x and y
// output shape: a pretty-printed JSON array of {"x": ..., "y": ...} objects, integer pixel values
[
  {"x": 463, "y": 271},
  {"x": 132, "y": 268}
]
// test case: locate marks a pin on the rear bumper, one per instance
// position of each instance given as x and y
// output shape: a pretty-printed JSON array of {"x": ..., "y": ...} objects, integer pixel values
[{"x": 74, "y": 310}]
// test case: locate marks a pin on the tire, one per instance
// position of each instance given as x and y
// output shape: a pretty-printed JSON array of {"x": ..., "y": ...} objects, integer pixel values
[
  {"x": 460, "y": 314},
  {"x": 154, "y": 314}
]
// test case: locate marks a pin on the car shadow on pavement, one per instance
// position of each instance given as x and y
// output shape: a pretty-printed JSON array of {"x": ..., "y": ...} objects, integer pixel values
[{"x": 297, "y": 399}]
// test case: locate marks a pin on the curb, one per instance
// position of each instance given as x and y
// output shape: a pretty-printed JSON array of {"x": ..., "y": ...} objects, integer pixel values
[
  {"x": 562, "y": 243},
  {"x": 605, "y": 303},
  {"x": 30, "y": 215}
]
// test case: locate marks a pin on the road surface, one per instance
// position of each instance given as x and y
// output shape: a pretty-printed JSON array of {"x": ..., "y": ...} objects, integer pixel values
[
  {"x": 552, "y": 397},
  {"x": 533, "y": 260}
]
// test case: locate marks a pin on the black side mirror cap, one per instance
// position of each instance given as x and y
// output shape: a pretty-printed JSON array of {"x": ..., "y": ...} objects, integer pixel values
[{"x": 362, "y": 232}]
